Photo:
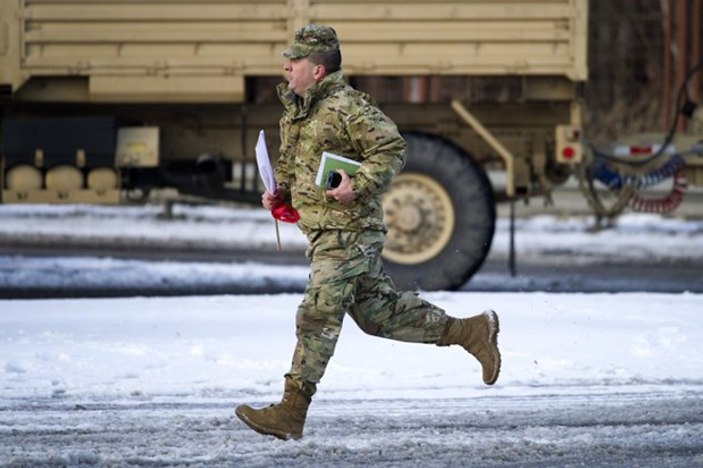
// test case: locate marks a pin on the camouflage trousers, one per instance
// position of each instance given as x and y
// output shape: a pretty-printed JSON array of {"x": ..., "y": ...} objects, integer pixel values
[{"x": 347, "y": 277}]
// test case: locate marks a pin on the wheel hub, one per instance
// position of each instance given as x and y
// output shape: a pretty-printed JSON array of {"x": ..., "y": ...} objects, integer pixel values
[
  {"x": 420, "y": 218},
  {"x": 408, "y": 218}
]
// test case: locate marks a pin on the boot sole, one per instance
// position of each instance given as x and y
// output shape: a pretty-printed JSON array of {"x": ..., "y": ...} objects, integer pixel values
[
  {"x": 264, "y": 430},
  {"x": 493, "y": 329}
]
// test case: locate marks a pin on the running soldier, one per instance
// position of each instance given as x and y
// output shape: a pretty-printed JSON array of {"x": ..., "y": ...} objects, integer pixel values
[{"x": 345, "y": 231}]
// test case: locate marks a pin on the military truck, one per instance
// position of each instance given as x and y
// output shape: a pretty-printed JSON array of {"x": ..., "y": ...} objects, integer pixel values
[{"x": 109, "y": 101}]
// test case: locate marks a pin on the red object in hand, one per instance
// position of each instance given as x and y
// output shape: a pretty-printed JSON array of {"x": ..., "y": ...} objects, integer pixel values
[{"x": 285, "y": 213}]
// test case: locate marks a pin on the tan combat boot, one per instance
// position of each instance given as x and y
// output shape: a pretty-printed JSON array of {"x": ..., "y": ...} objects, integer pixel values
[
  {"x": 284, "y": 420},
  {"x": 479, "y": 336}
]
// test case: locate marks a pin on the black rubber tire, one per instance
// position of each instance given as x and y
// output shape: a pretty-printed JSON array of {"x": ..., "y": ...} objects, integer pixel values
[{"x": 471, "y": 198}]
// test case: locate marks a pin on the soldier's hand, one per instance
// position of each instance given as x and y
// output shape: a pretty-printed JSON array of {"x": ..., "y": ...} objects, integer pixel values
[
  {"x": 343, "y": 193},
  {"x": 271, "y": 201}
]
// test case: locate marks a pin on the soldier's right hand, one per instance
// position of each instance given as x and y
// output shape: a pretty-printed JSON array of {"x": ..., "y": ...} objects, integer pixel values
[{"x": 271, "y": 201}]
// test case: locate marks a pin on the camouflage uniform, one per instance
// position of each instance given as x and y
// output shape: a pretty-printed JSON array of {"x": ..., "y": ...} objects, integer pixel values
[{"x": 345, "y": 240}]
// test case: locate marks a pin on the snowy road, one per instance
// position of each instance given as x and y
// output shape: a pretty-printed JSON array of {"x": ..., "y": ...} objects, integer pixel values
[
  {"x": 594, "y": 379},
  {"x": 69, "y": 251},
  {"x": 543, "y": 430},
  {"x": 587, "y": 379}
]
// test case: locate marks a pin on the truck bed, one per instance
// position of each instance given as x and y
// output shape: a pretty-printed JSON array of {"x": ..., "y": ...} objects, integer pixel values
[{"x": 183, "y": 51}]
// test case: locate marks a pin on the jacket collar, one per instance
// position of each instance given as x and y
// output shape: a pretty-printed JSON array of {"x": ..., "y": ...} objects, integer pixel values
[{"x": 300, "y": 106}]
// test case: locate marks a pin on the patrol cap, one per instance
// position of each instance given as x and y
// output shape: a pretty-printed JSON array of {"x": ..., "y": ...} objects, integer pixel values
[{"x": 312, "y": 38}]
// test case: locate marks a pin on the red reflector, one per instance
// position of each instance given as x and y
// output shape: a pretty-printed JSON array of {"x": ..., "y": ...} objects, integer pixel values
[
  {"x": 640, "y": 150},
  {"x": 568, "y": 152}
]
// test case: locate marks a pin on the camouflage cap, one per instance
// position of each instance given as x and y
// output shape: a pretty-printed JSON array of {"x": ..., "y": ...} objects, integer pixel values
[{"x": 312, "y": 38}]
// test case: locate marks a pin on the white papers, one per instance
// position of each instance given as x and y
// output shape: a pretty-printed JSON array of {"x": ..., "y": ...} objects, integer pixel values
[{"x": 262, "y": 160}]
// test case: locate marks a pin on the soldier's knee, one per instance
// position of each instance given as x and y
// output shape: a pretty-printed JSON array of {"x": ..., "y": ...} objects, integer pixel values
[{"x": 310, "y": 320}]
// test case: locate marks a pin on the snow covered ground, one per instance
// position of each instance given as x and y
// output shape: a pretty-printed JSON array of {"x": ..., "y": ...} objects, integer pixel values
[
  {"x": 540, "y": 239},
  {"x": 633, "y": 236},
  {"x": 154, "y": 381},
  {"x": 588, "y": 379}
]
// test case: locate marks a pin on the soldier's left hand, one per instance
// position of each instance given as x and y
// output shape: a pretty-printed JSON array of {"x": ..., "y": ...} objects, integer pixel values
[{"x": 344, "y": 193}]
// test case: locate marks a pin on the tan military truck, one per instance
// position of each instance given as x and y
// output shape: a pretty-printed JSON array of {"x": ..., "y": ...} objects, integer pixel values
[{"x": 105, "y": 101}]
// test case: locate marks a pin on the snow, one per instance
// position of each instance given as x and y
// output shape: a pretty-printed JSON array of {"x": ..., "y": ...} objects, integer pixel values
[
  {"x": 154, "y": 380},
  {"x": 539, "y": 238},
  {"x": 634, "y": 235},
  {"x": 238, "y": 347}
]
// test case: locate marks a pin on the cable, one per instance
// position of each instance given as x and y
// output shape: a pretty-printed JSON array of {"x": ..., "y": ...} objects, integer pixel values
[
  {"x": 665, "y": 204},
  {"x": 615, "y": 181},
  {"x": 682, "y": 92},
  {"x": 663, "y": 172}
]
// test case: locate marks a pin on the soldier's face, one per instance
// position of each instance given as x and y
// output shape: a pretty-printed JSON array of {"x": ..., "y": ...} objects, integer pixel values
[{"x": 301, "y": 74}]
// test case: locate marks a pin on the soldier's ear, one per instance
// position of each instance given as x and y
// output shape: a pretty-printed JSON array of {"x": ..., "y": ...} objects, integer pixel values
[{"x": 318, "y": 71}]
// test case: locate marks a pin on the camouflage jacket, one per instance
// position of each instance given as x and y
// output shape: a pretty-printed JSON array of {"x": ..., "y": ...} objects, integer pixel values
[{"x": 335, "y": 117}]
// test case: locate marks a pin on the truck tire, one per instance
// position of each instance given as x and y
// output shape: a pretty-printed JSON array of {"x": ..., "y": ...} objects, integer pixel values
[{"x": 440, "y": 214}]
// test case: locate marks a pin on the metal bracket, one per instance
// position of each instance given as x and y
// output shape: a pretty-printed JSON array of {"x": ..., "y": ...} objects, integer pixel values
[{"x": 493, "y": 142}]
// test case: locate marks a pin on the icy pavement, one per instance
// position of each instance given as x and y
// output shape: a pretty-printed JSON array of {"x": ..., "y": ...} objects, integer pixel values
[{"x": 536, "y": 431}]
